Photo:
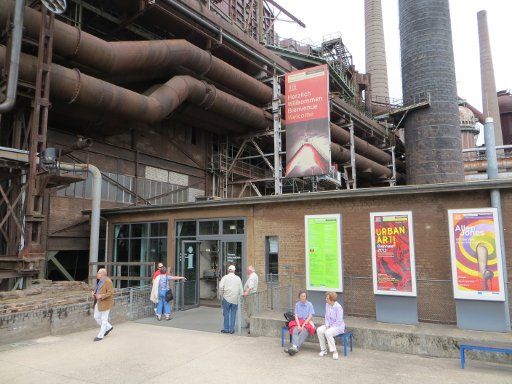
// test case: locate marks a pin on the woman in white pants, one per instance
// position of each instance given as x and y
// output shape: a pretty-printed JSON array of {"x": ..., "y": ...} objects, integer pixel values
[{"x": 334, "y": 325}]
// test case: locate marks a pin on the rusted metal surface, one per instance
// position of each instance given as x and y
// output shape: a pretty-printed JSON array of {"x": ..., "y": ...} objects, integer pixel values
[
  {"x": 128, "y": 57},
  {"x": 341, "y": 136},
  {"x": 35, "y": 215},
  {"x": 364, "y": 165},
  {"x": 505, "y": 105},
  {"x": 72, "y": 87},
  {"x": 481, "y": 165}
]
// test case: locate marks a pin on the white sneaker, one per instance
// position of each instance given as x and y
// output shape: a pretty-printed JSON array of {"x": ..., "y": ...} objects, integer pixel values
[
  {"x": 322, "y": 353},
  {"x": 335, "y": 355}
]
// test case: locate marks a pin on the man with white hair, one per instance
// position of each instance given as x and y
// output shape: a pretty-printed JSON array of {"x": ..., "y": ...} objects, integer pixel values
[
  {"x": 230, "y": 290},
  {"x": 250, "y": 288},
  {"x": 103, "y": 297}
]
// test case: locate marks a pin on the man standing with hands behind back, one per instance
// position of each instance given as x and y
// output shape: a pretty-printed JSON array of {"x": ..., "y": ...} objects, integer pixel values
[
  {"x": 103, "y": 303},
  {"x": 230, "y": 290}
]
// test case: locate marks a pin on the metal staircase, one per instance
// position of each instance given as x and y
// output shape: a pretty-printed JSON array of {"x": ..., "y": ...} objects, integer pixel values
[{"x": 331, "y": 51}]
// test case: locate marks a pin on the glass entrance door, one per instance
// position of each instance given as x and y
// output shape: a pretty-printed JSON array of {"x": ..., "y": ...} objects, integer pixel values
[
  {"x": 189, "y": 267},
  {"x": 232, "y": 255}
]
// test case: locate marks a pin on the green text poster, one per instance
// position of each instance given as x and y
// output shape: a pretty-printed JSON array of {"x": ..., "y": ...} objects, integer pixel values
[{"x": 323, "y": 252}]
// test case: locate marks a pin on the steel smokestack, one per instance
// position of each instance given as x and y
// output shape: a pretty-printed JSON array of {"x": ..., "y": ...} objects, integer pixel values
[
  {"x": 375, "y": 49},
  {"x": 432, "y": 135},
  {"x": 489, "y": 94}
]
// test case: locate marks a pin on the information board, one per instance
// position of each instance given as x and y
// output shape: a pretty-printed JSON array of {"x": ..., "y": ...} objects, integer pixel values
[{"x": 323, "y": 253}]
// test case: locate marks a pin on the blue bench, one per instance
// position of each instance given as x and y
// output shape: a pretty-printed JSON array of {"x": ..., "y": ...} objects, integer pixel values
[
  {"x": 507, "y": 349},
  {"x": 344, "y": 337}
]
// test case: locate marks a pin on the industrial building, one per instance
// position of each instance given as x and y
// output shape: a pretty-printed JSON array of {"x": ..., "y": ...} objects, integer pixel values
[{"x": 139, "y": 131}]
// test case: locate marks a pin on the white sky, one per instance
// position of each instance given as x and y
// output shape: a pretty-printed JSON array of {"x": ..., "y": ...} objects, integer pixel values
[{"x": 324, "y": 17}]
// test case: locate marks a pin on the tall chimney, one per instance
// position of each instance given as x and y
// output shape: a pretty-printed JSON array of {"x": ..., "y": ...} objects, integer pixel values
[
  {"x": 375, "y": 49},
  {"x": 432, "y": 135},
  {"x": 489, "y": 95}
]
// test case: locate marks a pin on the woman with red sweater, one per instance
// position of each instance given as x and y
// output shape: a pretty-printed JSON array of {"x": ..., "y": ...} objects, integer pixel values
[{"x": 302, "y": 325}]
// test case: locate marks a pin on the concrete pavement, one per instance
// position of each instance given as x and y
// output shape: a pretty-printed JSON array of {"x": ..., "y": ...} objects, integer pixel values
[{"x": 143, "y": 353}]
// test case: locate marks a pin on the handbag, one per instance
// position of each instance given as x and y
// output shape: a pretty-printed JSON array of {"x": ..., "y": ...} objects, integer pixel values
[
  {"x": 169, "y": 295},
  {"x": 289, "y": 316}
]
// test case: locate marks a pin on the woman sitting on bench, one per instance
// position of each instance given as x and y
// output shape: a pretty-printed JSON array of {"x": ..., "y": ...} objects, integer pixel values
[
  {"x": 302, "y": 325},
  {"x": 334, "y": 325}
]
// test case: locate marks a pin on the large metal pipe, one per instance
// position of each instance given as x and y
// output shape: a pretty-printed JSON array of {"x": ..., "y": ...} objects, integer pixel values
[
  {"x": 375, "y": 49},
  {"x": 492, "y": 173},
  {"x": 124, "y": 57},
  {"x": 17, "y": 35},
  {"x": 72, "y": 87},
  {"x": 341, "y": 136},
  {"x": 481, "y": 165},
  {"x": 432, "y": 135},
  {"x": 490, "y": 148},
  {"x": 95, "y": 207},
  {"x": 489, "y": 96},
  {"x": 364, "y": 165},
  {"x": 153, "y": 56}
]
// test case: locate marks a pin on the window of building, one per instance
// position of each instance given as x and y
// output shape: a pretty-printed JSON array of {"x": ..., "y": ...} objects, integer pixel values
[
  {"x": 210, "y": 227},
  {"x": 185, "y": 228},
  {"x": 272, "y": 258},
  {"x": 158, "y": 187},
  {"x": 232, "y": 227},
  {"x": 138, "y": 242}
]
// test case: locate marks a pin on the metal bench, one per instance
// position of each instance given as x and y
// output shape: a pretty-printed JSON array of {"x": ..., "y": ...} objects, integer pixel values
[
  {"x": 497, "y": 348},
  {"x": 346, "y": 337}
]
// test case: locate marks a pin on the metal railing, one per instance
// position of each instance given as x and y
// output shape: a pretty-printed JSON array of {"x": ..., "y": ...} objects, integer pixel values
[
  {"x": 130, "y": 272},
  {"x": 272, "y": 298},
  {"x": 136, "y": 302},
  {"x": 435, "y": 297}
]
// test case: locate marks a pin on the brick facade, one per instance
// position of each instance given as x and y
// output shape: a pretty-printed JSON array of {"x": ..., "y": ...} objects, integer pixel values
[{"x": 286, "y": 220}]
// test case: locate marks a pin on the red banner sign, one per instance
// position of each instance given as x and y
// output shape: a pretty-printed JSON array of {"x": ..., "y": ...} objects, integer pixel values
[{"x": 307, "y": 122}]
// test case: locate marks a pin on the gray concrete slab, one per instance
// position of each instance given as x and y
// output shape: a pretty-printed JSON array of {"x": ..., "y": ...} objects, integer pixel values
[
  {"x": 206, "y": 319},
  {"x": 136, "y": 353},
  {"x": 434, "y": 340}
]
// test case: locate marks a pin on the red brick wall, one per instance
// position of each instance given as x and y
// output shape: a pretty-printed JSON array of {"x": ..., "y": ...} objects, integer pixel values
[{"x": 431, "y": 238}]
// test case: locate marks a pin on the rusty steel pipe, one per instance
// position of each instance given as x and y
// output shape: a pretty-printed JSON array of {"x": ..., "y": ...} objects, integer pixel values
[
  {"x": 363, "y": 165},
  {"x": 341, "y": 136},
  {"x": 125, "y": 57},
  {"x": 481, "y": 165},
  {"x": 72, "y": 87},
  {"x": 118, "y": 58}
]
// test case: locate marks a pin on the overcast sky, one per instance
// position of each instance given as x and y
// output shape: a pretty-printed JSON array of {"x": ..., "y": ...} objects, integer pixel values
[{"x": 324, "y": 17}]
